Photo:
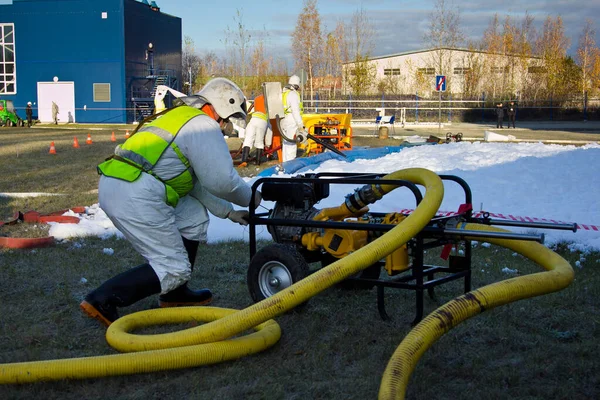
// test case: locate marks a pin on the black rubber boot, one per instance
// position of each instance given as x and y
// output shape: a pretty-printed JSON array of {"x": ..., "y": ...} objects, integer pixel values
[
  {"x": 182, "y": 295},
  {"x": 259, "y": 154},
  {"x": 245, "y": 154},
  {"x": 120, "y": 291}
]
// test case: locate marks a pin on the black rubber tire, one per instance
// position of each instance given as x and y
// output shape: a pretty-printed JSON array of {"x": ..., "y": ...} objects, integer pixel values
[
  {"x": 274, "y": 268},
  {"x": 371, "y": 272}
]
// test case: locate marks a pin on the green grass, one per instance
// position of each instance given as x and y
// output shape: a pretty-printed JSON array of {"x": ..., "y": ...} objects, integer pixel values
[{"x": 337, "y": 347}]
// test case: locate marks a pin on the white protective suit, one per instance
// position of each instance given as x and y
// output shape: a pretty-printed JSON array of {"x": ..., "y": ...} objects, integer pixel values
[
  {"x": 258, "y": 133},
  {"x": 291, "y": 124},
  {"x": 139, "y": 209}
]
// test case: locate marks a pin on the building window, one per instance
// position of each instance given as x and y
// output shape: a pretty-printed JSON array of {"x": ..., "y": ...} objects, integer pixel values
[
  {"x": 426, "y": 71},
  {"x": 8, "y": 75},
  {"x": 102, "y": 92},
  {"x": 536, "y": 70},
  {"x": 499, "y": 70},
  {"x": 461, "y": 71},
  {"x": 391, "y": 71}
]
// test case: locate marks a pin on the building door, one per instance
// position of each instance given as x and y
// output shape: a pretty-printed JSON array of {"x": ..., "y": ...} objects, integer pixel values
[{"x": 63, "y": 94}]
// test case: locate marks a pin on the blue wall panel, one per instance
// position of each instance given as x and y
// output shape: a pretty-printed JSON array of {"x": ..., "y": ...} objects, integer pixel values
[
  {"x": 144, "y": 26},
  {"x": 70, "y": 39}
]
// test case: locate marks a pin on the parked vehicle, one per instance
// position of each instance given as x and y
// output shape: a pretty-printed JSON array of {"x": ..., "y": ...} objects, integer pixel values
[{"x": 8, "y": 114}]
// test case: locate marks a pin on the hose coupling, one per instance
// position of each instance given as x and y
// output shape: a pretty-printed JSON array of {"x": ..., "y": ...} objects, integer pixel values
[{"x": 363, "y": 196}]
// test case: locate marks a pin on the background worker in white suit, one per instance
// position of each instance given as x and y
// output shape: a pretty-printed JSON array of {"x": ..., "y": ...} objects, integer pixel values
[{"x": 292, "y": 123}]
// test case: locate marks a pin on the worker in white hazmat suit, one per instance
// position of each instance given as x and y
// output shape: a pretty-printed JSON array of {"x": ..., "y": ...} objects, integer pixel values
[
  {"x": 291, "y": 125},
  {"x": 156, "y": 189}
]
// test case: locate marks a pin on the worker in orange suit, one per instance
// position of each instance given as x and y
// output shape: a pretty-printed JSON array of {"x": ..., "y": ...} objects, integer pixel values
[{"x": 258, "y": 131}]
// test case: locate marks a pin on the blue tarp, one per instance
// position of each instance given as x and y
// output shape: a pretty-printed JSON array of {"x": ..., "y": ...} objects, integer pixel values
[{"x": 301, "y": 164}]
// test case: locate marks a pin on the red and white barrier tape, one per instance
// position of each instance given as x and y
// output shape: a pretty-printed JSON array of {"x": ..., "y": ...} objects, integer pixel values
[{"x": 511, "y": 217}]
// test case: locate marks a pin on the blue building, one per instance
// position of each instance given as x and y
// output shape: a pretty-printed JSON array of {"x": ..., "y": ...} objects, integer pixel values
[{"x": 99, "y": 61}]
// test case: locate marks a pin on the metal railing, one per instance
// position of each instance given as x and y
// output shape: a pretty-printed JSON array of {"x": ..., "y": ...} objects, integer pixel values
[{"x": 467, "y": 110}]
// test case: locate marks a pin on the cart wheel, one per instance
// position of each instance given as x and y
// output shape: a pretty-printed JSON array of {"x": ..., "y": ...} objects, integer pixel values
[
  {"x": 273, "y": 269},
  {"x": 371, "y": 272}
]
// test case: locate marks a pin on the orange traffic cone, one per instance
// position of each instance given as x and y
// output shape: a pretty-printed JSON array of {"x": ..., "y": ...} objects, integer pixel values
[
  {"x": 75, "y": 142},
  {"x": 89, "y": 139},
  {"x": 127, "y": 134},
  {"x": 52, "y": 148},
  {"x": 112, "y": 137}
]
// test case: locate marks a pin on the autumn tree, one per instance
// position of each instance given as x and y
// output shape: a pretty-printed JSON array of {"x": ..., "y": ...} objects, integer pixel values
[
  {"x": 508, "y": 53},
  {"x": 570, "y": 76},
  {"x": 587, "y": 55},
  {"x": 476, "y": 71},
  {"x": 332, "y": 61},
  {"x": 492, "y": 45},
  {"x": 307, "y": 41},
  {"x": 552, "y": 46}
]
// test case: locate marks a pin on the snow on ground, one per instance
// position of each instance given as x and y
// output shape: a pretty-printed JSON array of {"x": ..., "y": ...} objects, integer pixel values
[{"x": 560, "y": 183}]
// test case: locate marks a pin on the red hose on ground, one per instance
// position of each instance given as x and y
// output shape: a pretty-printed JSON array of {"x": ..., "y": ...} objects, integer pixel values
[{"x": 36, "y": 217}]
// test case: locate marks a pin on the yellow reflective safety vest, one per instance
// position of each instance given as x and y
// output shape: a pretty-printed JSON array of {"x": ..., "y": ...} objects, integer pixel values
[
  {"x": 286, "y": 108},
  {"x": 142, "y": 150},
  {"x": 258, "y": 114}
]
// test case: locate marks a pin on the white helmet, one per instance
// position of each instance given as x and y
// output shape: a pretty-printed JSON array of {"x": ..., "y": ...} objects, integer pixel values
[
  {"x": 28, "y": 103},
  {"x": 226, "y": 97},
  {"x": 294, "y": 80}
]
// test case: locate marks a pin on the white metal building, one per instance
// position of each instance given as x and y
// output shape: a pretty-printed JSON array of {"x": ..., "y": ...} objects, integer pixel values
[{"x": 466, "y": 71}]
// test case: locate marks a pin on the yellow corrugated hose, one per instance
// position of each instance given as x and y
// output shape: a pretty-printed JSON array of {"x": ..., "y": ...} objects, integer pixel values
[
  {"x": 557, "y": 276},
  {"x": 206, "y": 344}
]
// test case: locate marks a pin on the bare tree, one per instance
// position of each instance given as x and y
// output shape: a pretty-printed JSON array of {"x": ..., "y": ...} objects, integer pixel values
[
  {"x": 210, "y": 65},
  {"x": 357, "y": 47},
  {"x": 341, "y": 39},
  {"x": 444, "y": 34},
  {"x": 586, "y": 52},
  {"x": 392, "y": 80},
  {"x": 362, "y": 35},
  {"x": 238, "y": 41},
  {"x": 191, "y": 64},
  {"x": 307, "y": 41},
  {"x": 260, "y": 65},
  {"x": 342, "y": 42}
]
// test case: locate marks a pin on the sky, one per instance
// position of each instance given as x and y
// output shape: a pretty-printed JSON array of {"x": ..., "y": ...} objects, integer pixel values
[
  {"x": 399, "y": 24},
  {"x": 525, "y": 180}
]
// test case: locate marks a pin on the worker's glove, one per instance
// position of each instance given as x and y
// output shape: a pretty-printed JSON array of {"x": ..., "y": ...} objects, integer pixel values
[
  {"x": 239, "y": 216},
  {"x": 301, "y": 136},
  {"x": 257, "y": 199}
]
